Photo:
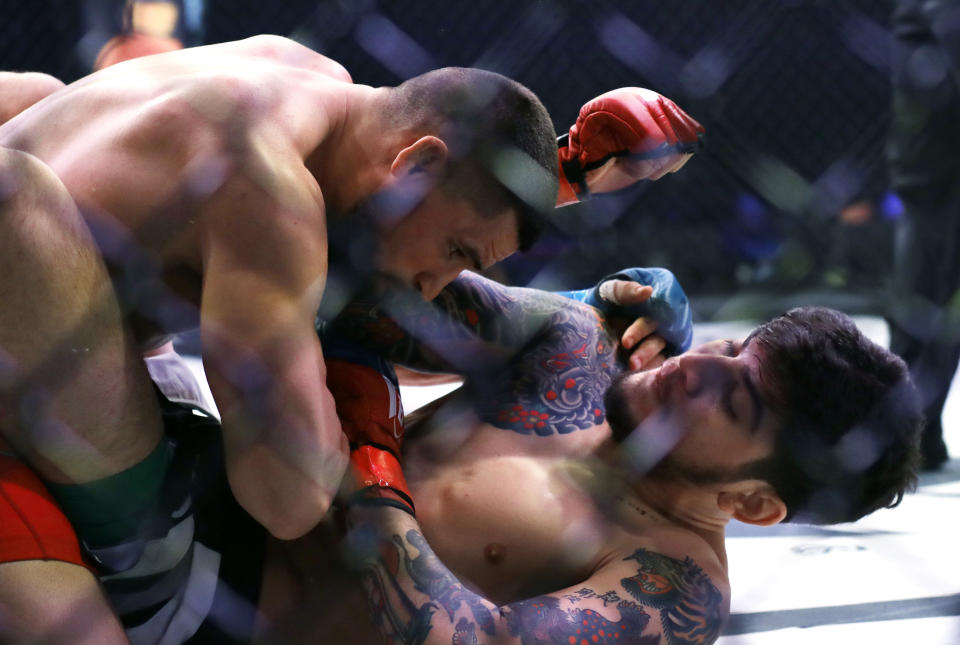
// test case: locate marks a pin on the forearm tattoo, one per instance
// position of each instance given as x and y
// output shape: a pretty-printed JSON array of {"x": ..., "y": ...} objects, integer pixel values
[
  {"x": 537, "y": 363},
  {"x": 410, "y": 595},
  {"x": 391, "y": 579}
]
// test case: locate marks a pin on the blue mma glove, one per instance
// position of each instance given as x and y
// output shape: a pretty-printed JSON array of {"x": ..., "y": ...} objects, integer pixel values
[{"x": 668, "y": 305}]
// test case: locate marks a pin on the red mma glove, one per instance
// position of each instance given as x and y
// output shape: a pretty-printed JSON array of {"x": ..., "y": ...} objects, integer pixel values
[
  {"x": 621, "y": 137},
  {"x": 368, "y": 402}
]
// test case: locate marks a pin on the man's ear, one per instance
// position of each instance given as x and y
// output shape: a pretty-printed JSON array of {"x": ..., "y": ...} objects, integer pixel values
[
  {"x": 758, "y": 505},
  {"x": 426, "y": 154}
]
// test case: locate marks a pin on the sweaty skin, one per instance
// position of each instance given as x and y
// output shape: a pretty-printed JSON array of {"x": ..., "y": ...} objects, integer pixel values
[
  {"x": 204, "y": 177},
  {"x": 516, "y": 518}
]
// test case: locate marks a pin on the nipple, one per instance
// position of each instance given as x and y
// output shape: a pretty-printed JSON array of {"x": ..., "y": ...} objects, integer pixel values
[{"x": 494, "y": 553}]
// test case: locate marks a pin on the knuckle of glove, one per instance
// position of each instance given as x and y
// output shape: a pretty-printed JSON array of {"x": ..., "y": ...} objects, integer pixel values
[
  {"x": 677, "y": 125},
  {"x": 620, "y": 125},
  {"x": 666, "y": 126},
  {"x": 684, "y": 127},
  {"x": 613, "y": 131},
  {"x": 573, "y": 148},
  {"x": 668, "y": 305}
]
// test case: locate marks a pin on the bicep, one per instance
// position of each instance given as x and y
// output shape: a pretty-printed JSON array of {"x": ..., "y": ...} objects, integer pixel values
[
  {"x": 264, "y": 268},
  {"x": 263, "y": 276},
  {"x": 646, "y": 598},
  {"x": 473, "y": 326}
]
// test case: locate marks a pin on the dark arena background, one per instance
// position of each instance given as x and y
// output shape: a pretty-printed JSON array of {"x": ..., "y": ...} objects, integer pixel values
[
  {"x": 793, "y": 201},
  {"x": 789, "y": 196}
]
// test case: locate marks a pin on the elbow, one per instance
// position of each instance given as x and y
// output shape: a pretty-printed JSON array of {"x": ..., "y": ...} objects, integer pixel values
[
  {"x": 290, "y": 524},
  {"x": 292, "y": 516},
  {"x": 287, "y": 502}
]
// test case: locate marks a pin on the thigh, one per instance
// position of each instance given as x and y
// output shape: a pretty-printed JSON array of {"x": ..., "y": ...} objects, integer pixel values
[
  {"x": 47, "y": 601},
  {"x": 46, "y": 593},
  {"x": 75, "y": 398}
]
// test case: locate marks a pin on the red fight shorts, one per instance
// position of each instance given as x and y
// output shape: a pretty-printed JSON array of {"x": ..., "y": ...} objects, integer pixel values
[{"x": 32, "y": 527}]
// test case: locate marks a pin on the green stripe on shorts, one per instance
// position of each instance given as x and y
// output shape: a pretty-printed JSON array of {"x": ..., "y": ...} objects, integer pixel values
[{"x": 109, "y": 511}]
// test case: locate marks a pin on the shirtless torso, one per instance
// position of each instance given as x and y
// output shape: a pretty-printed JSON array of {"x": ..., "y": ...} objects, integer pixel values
[
  {"x": 511, "y": 527},
  {"x": 502, "y": 514},
  {"x": 522, "y": 513}
]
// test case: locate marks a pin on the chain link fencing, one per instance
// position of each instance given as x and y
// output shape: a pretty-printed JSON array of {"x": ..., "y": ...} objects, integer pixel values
[{"x": 789, "y": 202}]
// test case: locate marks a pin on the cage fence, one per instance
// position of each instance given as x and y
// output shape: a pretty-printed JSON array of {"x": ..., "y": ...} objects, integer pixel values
[{"x": 790, "y": 195}]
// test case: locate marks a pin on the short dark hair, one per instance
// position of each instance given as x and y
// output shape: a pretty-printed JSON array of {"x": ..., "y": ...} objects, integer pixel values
[
  {"x": 849, "y": 443},
  {"x": 497, "y": 130}
]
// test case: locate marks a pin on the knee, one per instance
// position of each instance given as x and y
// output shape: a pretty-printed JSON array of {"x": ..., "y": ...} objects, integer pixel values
[
  {"x": 28, "y": 185},
  {"x": 11, "y": 181},
  {"x": 18, "y": 172}
]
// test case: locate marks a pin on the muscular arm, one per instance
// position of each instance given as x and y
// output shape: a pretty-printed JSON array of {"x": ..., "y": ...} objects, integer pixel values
[
  {"x": 550, "y": 357},
  {"x": 645, "y": 597},
  {"x": 473, "y": 327},
  {"x": 265, "y": 261}
]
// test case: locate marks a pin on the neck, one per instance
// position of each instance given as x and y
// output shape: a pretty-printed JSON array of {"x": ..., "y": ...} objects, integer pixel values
[
  {"x": 688, "y": 507},
  {"x": 668, "y": 503},
  {"x": 353, "y": 160}
]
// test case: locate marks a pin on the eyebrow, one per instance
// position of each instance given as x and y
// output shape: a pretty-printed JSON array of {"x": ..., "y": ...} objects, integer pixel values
[{"x": 755, "y": 399}]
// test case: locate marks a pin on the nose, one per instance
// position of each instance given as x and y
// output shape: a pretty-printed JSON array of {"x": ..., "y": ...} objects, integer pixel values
[
  {"x": 431, "y": 283},
  {"x": 672, "y": 377},
  {"x": 428, "y": 285},
  {"x": 697, "y": 372}
]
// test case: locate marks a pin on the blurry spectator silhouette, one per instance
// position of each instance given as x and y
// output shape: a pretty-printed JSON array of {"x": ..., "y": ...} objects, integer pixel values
[
  {"x": 923, "y": 154},
  {"x": 146, "y": 27}
]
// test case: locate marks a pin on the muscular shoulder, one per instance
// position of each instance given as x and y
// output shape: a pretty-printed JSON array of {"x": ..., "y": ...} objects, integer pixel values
[
  {"x": 289, "y": 52},
  {"x": 652, "y": 594},
  {"x": 268, "y": 217},
  {"x": 672, "y": 586},
  {"x": 679, "y": 574}
]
